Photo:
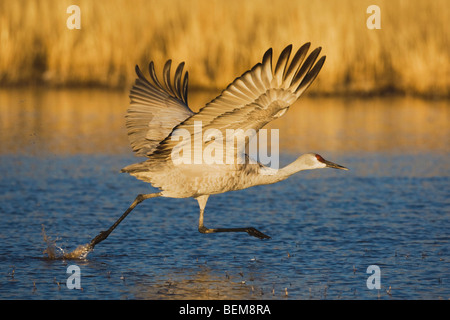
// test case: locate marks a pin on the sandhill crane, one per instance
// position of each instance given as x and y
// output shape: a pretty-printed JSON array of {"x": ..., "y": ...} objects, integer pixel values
[{"x": 259, "y": 96}]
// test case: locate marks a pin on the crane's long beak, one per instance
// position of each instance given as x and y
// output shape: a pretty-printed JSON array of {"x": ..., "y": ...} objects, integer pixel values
[{"x": 330, "y": 164}]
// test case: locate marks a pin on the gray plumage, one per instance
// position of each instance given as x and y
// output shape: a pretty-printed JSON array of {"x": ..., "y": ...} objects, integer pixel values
[
  {"x": 251, "y": 101},
  {"x": 158, "y": 111},
  {"x": 154, "y": 109}
]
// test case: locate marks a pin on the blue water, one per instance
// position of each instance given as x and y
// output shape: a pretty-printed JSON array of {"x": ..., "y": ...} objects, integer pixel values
[{"x": 327, "y": 227}]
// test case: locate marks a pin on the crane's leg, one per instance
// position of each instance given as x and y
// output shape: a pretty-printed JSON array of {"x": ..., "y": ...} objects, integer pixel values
[
  {"x": 104, "y": 234},
  {"x": 250, "y": 230}
]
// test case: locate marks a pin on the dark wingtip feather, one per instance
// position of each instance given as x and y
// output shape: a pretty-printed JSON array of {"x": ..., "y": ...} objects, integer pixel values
[
  {"x": 297, "y": 60},
  {"x": 311, "y": 76},
  {"x": 307, "y": 65},
  {"x": 151, "y": 70},
  {"x": 141, "y": 78},
  {"x": 177, "y": 81},
  {"x": 267, "y": 57},
  {"x": 185, "y": 87},
  {"x": 282, "y": 61},
  {"x": 139, "y": 73},
  {"x": 166, "y": 77}
]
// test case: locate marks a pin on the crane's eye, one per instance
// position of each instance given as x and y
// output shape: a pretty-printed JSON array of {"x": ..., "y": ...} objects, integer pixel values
[{"x": 319, "y": 158}]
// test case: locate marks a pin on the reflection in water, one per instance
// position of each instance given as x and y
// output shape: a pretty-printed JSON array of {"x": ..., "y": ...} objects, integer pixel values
[
  {"x": 75, "y": 121},
  {"x": 92, "y": 121},
  {"x": 378, "y": 125},
  {"x": 390, "y": 209},
  {"x": 197, "y": 283}
]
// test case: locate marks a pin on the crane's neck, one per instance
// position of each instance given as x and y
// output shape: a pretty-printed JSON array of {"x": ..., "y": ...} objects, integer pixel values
[{"x": 269, "y": 175}]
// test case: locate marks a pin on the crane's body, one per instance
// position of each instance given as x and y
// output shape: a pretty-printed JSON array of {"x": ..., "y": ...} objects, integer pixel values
[
  {"x": 159, "y": 112},
  {"x": 193, "y": 180}
]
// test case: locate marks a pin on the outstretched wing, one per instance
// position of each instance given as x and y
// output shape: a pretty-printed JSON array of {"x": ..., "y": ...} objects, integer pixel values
[
  {"x": 156, "y": 109},
  {"x": 259, "y": 96}
]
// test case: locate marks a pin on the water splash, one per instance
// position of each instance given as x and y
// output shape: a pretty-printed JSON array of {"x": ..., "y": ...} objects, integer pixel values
[{"x": 55, "y": 252}]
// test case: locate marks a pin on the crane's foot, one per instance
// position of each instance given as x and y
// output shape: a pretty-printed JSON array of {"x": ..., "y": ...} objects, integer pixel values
[
  {"x": 99, "y": 238},
  {"x": 256, "y": 233},
  {"x": 250, "y": 230}
]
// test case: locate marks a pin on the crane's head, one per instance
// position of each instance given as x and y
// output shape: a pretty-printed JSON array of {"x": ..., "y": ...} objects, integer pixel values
[
  {"x": 328, "y": 164},
  {"x": 315, "y": 161}
]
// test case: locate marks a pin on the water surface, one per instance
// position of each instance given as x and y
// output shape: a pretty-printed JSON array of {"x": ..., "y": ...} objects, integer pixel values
[{"x": 60, "y": 156}]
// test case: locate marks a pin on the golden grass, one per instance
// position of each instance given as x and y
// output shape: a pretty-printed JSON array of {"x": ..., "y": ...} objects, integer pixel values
[{"x": 220, "y": 39}]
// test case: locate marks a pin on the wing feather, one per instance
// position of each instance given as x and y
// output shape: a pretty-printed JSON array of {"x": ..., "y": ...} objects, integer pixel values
[
  {"x": 280, "y": 67},
  {"x": 154, "y": 109},
  {"x": 310, "y": 77},
  {"x": 304, "y": 69},
  {"x": 251, "y": 101},
  {"x": 295, "y": 64}
]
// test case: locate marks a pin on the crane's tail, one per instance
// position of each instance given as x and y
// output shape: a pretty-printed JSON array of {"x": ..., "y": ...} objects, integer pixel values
[{"x": 141, "y": 171}]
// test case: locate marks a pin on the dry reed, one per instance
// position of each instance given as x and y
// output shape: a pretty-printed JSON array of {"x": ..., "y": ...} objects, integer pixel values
[{"x": 221, "y": 39}]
